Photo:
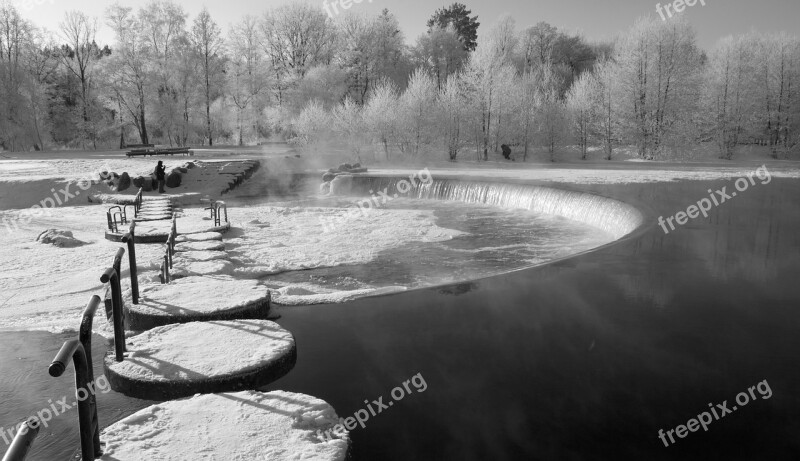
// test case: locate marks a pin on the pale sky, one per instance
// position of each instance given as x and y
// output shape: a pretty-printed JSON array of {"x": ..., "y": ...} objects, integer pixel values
[{"x": 596, "y": 19}]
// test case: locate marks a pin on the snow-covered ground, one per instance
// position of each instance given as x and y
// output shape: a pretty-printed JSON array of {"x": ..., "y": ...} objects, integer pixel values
[
  {"x": 44, "y": 287},
  {"x": 607, "y": 175},
  {"x": 276, "y": 425}
]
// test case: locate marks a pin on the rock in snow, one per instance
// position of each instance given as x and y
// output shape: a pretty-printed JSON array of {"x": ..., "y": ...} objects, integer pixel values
[
  {"x": 59, "y": 238},
  {"x": 245, "y": 425}
]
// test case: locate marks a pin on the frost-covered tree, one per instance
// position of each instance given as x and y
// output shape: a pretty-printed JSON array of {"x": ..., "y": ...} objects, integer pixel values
[
  {"x": 247, "y": 77},
  {"x": 312, "y": 125},
  {"x": 348, "y": 122},
  {"x": 451, "y": 108},
  {"x": 380, "y": 115},
  {"x": 580, "y": 109},
  {"x": 440, "y": 52},
  {"x": 417, "y": 112},
  {"x": 658, "y": 80},
  {"x": 206, "y": 38}
]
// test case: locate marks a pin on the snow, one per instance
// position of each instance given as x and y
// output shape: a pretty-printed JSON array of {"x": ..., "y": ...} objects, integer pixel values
[
  {"x": 59, "y": 238},
  {"x": 189, "y": 225},
  {"x": 198, "y": 295},
  {"x": 296, "y": 238},
  {"x": 199, "y": 246},
  {"x": 200, "y": 255},
  {"x": 186, "y": 268},
  {"x": 295, "y": 295},
  {"x": 246, "y": 425},
  {"x": 199, "y": 237},
  {"x": 602, "y": 175},
  {"x": 44, "y": 287},
  {"x": 201, "y": 350}
]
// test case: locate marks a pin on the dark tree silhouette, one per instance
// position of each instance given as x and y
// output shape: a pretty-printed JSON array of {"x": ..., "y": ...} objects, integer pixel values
[{"x": 457, "y": 14}]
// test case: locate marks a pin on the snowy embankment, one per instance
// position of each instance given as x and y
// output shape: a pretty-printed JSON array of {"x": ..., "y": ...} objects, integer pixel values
[
  {"x": 653, "y": 173},
  {"x": 276, "y": 425}
]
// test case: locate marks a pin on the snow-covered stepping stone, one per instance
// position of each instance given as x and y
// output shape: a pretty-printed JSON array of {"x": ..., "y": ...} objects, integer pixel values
[
  {"x": 180, "y": 360},
  {"x": 184, "y": 268},
  {"x": 200, "y": 256},
  {"x": 249, "y": 425},
  {"x": 196, "y": 299},
  {"x": 211, "y": 245},
  {"x": 199, "y": 237}
]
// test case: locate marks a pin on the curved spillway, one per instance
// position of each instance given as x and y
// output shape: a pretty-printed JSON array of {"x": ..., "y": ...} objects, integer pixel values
[{"x": 615, "y": 217}]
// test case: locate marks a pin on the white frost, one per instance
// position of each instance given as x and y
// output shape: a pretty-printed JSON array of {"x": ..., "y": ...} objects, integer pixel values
[
  {"x": 247, "y": 425},
  {"x": 198, "y": 294},
  {"x": 200, "y": 350}
]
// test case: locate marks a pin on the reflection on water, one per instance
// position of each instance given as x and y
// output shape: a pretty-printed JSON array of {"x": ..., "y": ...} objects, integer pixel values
[
  {"x": 585, "y": 358},
  {"x": 589, "y": 357}
]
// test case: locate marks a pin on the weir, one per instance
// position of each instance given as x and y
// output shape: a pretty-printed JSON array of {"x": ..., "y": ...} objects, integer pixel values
[{"x": 613, "y": 216}]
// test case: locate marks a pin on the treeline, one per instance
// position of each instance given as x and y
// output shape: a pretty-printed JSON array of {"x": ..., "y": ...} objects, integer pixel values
[
  {"x": 652, "y": 91},
  {"x": 294, "y": 73}
]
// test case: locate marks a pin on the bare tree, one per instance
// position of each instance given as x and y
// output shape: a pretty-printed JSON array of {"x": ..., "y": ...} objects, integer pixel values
[
  {"x": 128, "y": 73},
  {"x": 78, "y": 56},
  {"x": 207, "y": 39},
  {"x": 246, "y": 76},
  {"x": 296, "y": 37}
]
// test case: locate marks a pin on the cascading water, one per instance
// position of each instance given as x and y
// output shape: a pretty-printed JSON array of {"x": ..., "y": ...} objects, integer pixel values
[{"x": 615, "y": 217}]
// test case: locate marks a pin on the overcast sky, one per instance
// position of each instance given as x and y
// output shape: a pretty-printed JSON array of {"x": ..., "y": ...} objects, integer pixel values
[{"x": 596, "y": 19}]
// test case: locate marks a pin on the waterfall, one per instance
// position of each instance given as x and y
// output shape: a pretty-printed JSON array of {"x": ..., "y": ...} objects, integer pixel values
[{"x": 612, "y": 216}]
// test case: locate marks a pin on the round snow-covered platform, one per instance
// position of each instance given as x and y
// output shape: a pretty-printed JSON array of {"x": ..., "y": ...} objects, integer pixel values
[
  {"x": 180, "y": 360},
  {"x": 158, "y": 231},
  {"x": 184, "y": 267},
  {"x": 192, "y": 299},
  {"x": 246, "y": 425},
  {"x": 199, "y": 237},
  {"x": 211, "y": 245}
]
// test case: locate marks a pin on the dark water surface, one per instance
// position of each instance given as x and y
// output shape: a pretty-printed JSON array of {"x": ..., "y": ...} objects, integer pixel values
[
  {"x": 585, "y": 358},
  {"x": 589, "y": 357}
]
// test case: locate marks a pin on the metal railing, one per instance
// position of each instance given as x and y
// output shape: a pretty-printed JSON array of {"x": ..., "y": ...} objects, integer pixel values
[
  {"x": 23, "y": 441},
  {"x": 215, "y": 209},
  {"x": 137, "y": 202},
  {"x": 111, "y": 276},
  {"x": 129, "y": 239},
  {"x": 173, "y": 234},
  {"x": 166, "y": 264},
  {"x": 80, "y": 350},
  {"x": 112, "y": 216},
  {"x": 169, "y": 252}
]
